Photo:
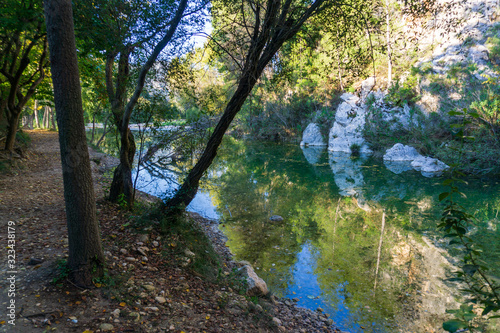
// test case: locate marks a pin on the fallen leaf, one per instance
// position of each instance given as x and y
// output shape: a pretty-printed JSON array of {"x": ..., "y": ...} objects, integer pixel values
[{"x": 123, "y": 304}]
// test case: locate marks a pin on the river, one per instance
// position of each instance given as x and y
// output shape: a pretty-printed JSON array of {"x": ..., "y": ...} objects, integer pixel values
[{"x": 356, "y": 240}]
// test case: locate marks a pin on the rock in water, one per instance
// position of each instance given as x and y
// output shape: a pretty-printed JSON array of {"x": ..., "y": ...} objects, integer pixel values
[
  {"x": 312, "y": 136},
  {"x": 255, "y": 285},
  {"x": 400, "y": 152},
  {"x": 428, "y": 166}
]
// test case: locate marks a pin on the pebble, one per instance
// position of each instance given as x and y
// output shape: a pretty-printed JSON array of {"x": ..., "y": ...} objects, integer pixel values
[
  {"x": 160, "y": 299},
  {"x": 149, "y": 287},
  {"x": 277, "y": 321},
  {"x": 106, "y": 327}
]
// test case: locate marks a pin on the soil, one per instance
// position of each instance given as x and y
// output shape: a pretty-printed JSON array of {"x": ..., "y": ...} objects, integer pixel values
[{"x": 144, "y": 289}]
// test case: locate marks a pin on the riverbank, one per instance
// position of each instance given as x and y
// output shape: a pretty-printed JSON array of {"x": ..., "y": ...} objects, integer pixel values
[{"x": 147, "y": 287}]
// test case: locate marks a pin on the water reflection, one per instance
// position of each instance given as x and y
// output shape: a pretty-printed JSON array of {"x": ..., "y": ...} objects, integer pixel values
[{"x": 327, "y": 251}]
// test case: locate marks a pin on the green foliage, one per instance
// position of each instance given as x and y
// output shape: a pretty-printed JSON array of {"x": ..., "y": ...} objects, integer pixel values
[
  {"x": 355, "y": 149},
  {"x": 405, "y": 93},
  {"x": 62, "y": 271},
  {"x": 456, "y": 223}
]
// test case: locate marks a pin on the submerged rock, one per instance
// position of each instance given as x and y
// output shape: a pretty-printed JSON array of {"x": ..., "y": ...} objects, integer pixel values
[
  {"x": 276, "y": 218},
  {"x": 255, "y": 285},
  {"x": 312, "y": 136}
]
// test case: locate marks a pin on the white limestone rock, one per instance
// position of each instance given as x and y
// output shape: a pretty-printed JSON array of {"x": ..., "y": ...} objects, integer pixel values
[
  {"x": 428, "y": 166},
  {"x": 479, "y": 54},
  {"x": 349, "y": 99},
  {"x": 348, "y": 129},
  {"x": 255, "y": 285},
  {"x": 400, "y": 152},
  {"x": 367, "y": 86},
  {"x": 312, "y": 136}
]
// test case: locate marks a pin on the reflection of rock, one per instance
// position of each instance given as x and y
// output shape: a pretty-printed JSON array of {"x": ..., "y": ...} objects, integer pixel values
[
  {"x": 255, "y": 285},
  {"x": 400, "y": 152},
  {"x": 312, "y": 154},
  {"x": 348, "y": 176},
  {"x": 312, "y": 136},
  {"x": 348, "y": 127},
  {"x": 398, "y": 166},
  {"x": 424, "y": 265},
  {"x": 347, "y": 172}
]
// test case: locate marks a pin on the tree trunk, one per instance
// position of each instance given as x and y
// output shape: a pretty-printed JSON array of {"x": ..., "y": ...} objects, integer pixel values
[
  {"x": 53, "y": 118},
  {"x": 45, "y": 117},
  {"x": 278, "y": 26},
  {"x": 35, "y": 112},
  {"x": 388, "y": 41},
  {"x": 121, "y": 187},
  {"x": 93, "y": 128},
  {"x": 12, "y": 129},
  {"x": 86, "y": 257},
  {"x": 188, "y": 190},
  {"x": 104, "y": 132}
]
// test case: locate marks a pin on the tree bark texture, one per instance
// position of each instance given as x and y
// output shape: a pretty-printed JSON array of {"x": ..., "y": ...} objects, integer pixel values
[
  {"x": 86, "y": 258},
  {"x": 270, "y": 31},
  {"x": 121, "y": 187}
]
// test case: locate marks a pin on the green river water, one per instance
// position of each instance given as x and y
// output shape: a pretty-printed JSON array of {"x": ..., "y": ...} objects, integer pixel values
[{"x": 332, "y": 250}]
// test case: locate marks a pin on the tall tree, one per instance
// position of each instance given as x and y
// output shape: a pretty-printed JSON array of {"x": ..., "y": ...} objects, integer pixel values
[
  {"x": 130, "y": 33},
  {"x": 23, "y": 59},
  {"x": 272, "y": 23},
  {"x": 86, "y": 257}
]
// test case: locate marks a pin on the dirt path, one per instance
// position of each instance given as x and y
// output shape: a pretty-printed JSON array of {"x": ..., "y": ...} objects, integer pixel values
[{"x": 146, "y": 288}]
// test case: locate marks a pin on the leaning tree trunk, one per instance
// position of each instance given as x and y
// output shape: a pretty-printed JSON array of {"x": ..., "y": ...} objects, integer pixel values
[
  {"x": 122, "y": 188},
  {"x": 86, "y": 257},
  {"x": 278, "y": 25},
  {"x": 188, "y": 190}
]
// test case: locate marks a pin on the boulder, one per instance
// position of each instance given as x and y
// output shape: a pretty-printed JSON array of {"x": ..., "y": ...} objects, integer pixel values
[
  {"x": 367, "y": 86},
  {"x": 255, "y": 285},
  {"x": 312, "y": 136},
  {"x": 400, "y": 152},
  {"x": 276, "y": 218},
  {"x": 349, "y": 99},
  {"x": 479, "y": 54},
  {"x": 347, "y": 129},
  {"x": 428, "y": 166}
]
